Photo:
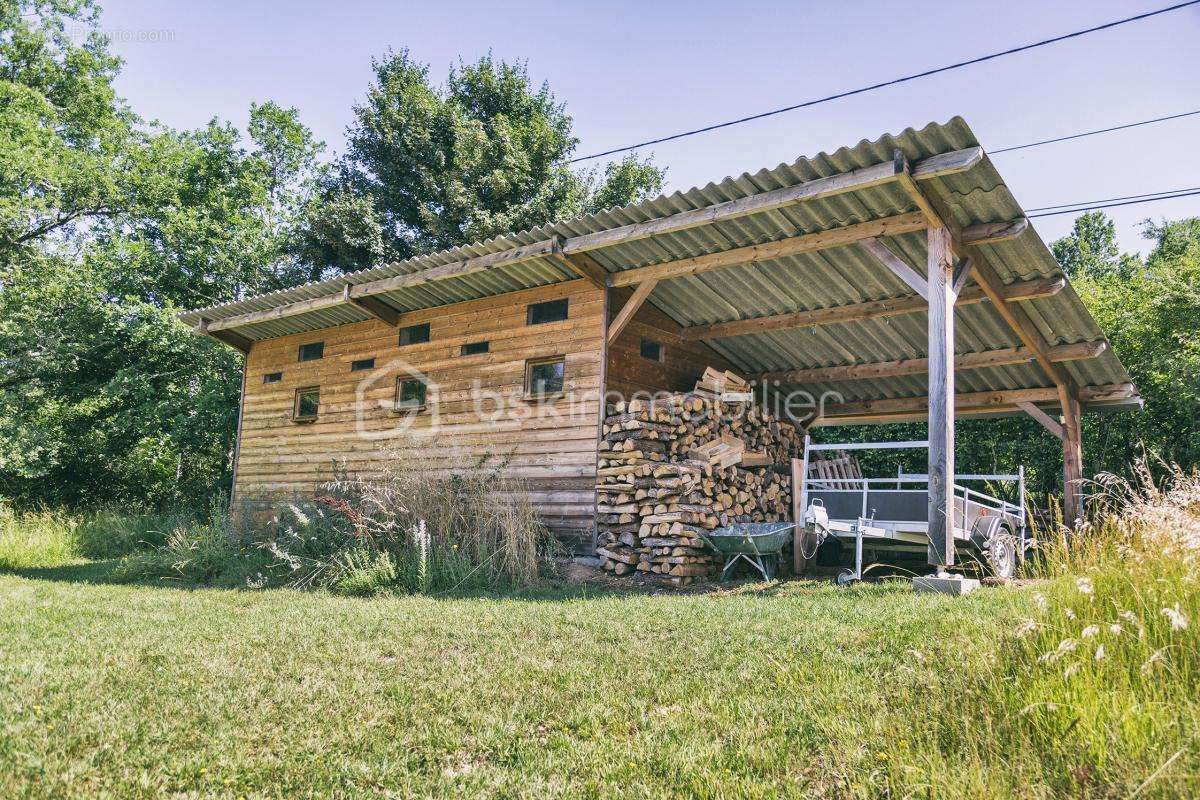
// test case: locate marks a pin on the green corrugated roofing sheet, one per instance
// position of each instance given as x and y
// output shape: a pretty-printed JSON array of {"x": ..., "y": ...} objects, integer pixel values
[{"x": 822, "y": 279}]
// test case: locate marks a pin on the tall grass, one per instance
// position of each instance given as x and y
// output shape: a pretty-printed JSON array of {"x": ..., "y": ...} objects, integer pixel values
[
  {"x": 36, "y": 540},
  {"x": 404, "y": 530},
  {"x": 1095, "y": 695}
]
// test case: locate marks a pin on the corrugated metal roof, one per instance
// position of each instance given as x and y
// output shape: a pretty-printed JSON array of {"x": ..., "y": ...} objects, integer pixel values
[{"x": 803, "y": 282}]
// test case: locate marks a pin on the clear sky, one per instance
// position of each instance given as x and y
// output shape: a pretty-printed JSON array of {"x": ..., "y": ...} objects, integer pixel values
[{"x": 629, "y": 71}]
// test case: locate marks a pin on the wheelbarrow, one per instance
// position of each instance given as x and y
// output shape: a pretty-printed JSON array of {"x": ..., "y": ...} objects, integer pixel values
[{"x": 756, "y": 543}]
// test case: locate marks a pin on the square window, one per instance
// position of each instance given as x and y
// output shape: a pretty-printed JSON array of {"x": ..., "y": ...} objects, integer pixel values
[
  {"x": 544, "y": 377},
  {"x": 273, "y": 377},
  {"x": 410, "y": 394},
  {"x": 549, "y": 311},
  {"x": 473, "y": 348},
  {"x": 361, "y": 364},
  {"x": 652, "y": 350},
  {"x": 312, "y": 351},
  {"x": 308, "y": 403},
  {"x": 415, "y": 334}
]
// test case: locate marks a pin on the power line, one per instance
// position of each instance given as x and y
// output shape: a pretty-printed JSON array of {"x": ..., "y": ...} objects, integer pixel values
[
  {"x": 1114, "y": 205},
  {"x": 1093, "y": 133},
  {"x": 1152, "y": 195},
  {"x": 893, "y": 82}
]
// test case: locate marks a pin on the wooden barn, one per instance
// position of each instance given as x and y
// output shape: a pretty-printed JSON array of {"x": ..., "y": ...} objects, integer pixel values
[{"x": 898, "y": 279}]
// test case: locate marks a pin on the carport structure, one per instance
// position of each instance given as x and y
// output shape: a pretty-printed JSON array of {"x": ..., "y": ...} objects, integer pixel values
[{"x": 899, "y": 274}]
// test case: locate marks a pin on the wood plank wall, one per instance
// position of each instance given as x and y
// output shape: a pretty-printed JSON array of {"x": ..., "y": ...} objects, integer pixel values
[
  {"x": 684, "y": 361},
  {"x": 552, "y": 444}
]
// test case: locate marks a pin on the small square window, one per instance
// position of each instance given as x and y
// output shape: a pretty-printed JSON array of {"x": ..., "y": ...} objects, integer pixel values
[
  {"x": 473, "y": 348},
  {"x": 361, "y": 364},
  {"x": 544, "y": 377},
  {"x": 312, "y": 351},
  {"x": 273, "y": 377},
  {"x": 550, "y": 311},
  {"x": 415, "y": 334},
  {"x": 410, "y": 394},
  {"x": 652, "y": 350},
  {"x": 308, "y": 403}
]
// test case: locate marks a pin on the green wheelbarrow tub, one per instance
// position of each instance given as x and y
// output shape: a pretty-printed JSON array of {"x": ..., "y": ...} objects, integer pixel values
[
  {"x": 757, "y": 543},
  {"x": 764, "y": 538}
]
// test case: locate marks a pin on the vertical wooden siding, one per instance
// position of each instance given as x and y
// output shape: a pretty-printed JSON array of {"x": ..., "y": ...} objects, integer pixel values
[{"x": 550, "y": 444}]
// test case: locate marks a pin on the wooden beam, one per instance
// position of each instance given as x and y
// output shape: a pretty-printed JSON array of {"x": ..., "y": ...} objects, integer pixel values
[
  {"x": 980, "y": 401},
  {"x": 457, "y": 269},
  {"x": 898, "y": 266},
  {"x": 806, "y": 243},
  {"x": 1048, "y": 422},
  {"x": 234, "y": 340},
  {"x": 919, "y": 366},
  {"x": 855, "y": 312},
  {"x": 962, "y": 273},
  {"x": 941, "y": 397},
  {"x": 1072, "y": 458},
  {"x": 625, "y": 315},
  {"x": 991, "y": 232},
  {"x": 373, "y": 306},
  {"x": 864, "y": 178},
  {"x": 583, "y": 265}
]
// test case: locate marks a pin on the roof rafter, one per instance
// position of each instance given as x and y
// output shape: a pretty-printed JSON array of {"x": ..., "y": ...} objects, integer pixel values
[
  {"x": 919, "y": 366},
  {"x": 1004, "y": 400},
  {"x": 871, "y": 309}
]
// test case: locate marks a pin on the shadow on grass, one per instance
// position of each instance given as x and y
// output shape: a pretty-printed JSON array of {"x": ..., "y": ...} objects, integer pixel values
[{"x": 550, "y": 590}]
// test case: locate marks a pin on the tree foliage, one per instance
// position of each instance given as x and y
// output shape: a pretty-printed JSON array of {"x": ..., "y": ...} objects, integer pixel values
[
  {"x": 427, "y": 167},
  {"x": 110, "y": 225}
]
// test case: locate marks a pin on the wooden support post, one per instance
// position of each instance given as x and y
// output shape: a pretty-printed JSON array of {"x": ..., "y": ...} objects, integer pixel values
[
  {"x": 941, "y": 397},
  {"x": 800, "y": 537},
  {"x": 1072, "y": 459},
  {"x": 625, "y": 315}
]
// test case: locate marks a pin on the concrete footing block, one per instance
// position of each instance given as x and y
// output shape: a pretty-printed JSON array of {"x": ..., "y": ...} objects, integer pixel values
[{"x": 955, "y": 585}]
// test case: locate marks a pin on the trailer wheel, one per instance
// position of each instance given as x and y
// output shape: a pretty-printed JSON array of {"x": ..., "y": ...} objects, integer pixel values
[{"x": 1001, "y": 554}]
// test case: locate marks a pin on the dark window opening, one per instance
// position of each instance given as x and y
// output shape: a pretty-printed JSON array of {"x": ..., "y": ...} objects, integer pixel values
[
  {"x": 473, "y": 348},
  {"x": 410, "y": 394},
  {"x": 652, "y": 350},
  {"x": 361, "y": 364},
  {"x": 312, "y": 351},
  {"x": 544, "y": 377},
  {"x": 273, "y": 377},
  {"x": 549, "y": 311},
  {"x": 415, "y": 334},
  {"x": 308, "y": 403}
]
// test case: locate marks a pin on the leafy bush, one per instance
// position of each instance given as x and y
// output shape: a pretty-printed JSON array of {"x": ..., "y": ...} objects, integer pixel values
[{"x": 35, "y": 540}]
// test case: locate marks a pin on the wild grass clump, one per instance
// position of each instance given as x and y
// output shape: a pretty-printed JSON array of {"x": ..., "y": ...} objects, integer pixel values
[
  {"x": 112, "y": 533},
  {"x": 1094, "y": 695},
  {"x": 412, "y": 530},
  {"x": 404, "y": 531},
  {"x": 36, "y": 540}
]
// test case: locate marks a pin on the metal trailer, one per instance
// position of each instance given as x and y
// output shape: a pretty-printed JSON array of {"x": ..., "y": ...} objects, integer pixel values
[{"x": 891, "y": 514}]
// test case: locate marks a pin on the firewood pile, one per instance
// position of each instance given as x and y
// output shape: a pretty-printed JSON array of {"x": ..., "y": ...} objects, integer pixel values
[{"x": 686, "y": 463}]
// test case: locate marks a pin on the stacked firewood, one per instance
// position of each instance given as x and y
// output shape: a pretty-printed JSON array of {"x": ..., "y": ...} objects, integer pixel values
[{"x": 681, "y": 465}]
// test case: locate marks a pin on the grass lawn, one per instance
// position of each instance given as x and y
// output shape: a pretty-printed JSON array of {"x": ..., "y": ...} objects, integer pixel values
[{"x": 152, "y": 690}]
